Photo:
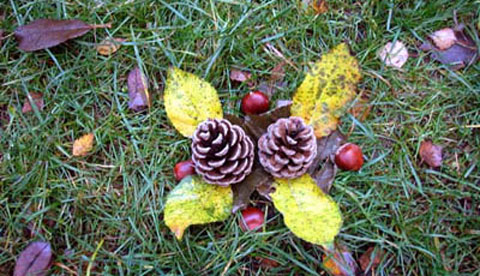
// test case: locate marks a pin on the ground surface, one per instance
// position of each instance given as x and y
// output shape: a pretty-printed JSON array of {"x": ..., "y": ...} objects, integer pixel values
[{"x": 428, "y": 221}]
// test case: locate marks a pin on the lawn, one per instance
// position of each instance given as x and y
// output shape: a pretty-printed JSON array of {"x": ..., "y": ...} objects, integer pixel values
[{"x": 426, "y": 220}]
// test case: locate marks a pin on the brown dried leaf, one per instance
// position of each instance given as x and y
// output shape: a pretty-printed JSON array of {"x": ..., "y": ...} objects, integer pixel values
[
  {"x": 138, "y": 90},
  {"x": 37, "y": 98},
  {"x": 240, "y": 76},
  {"x": 278, "y": 73},
  {"x": 45, "y": 33},
  {"x": 340, "y": 262},
  {"x": 256, "y": 125},
  {"x": 1, "y": 37},
  {"x": 320, "y": 6},
  {"x": 83, "y": 145},
  {"x": 361, "y": 109},
  {"x": 325, "y": 176},
  {"x": 266, "y": 262},
  {"x": 109, "y": 46},
  {"x": 35, "y": 259},
  {"x": 371, "y": 258},
  {"x": 431, "y": 153},
  {"x": 243, "y": 190}
]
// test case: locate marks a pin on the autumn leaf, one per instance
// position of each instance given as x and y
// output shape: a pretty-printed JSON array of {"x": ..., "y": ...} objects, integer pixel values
[
  {"x": 394, "y": 54},
  {"x": 315, "y": 6},
  {"x": 323, "y": 96},
  {"x": 35, "y": 259},
  {"x": 308, "y": 212},
  {"x": 83, "y": 145},
  {"x": 371, "y": 258},
  {"x": 452, "y": 46},
  {"x": 193, "y": 201},
  {"x": 138, "y": 90},
  {"x": 340, "y": 262},
  {"x": 431, "y": 153},
  {"x": 239, "y": 75},
  {"x": 45, "y": 33},
  {"x": 189, "y": 101},
  {"x": 37, "y": 99},
  {"x": 109, "y": 46},
  {"x": 242, "y": 191}
]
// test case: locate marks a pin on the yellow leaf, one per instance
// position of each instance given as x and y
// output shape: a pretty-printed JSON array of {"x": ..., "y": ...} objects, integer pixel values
[
  {"x": 193, "y": 201},
  {"x": 189, "y": 101},
  {"x": 308, "y": 212},
  {"x": 83, "y": 145},
  {"x": 324, "y": 94}
]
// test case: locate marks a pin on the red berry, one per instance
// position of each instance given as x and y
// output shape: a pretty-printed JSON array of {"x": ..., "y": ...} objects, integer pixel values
[
  {"x": 349, "y": 157},
  {"x": 255, "y": 103},
  {"x": 252, "y": 218},
  {"x": 183, "y": 169}
]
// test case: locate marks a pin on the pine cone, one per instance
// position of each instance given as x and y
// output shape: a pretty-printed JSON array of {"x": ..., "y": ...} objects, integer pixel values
[
  {"x": 288, "y": 148},
  {"x": 223, "y": 154}
]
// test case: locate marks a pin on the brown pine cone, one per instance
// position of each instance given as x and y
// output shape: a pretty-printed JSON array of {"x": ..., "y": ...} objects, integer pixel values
[
  {"x": 288, "y": 148},
  {"x": 223, "y": 154}
]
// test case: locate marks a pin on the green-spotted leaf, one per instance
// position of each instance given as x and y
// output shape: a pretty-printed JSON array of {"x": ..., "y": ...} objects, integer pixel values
[
  {"x": 193, "y": 201},
  {"x": 308, "y": 212},
  {"x": 323, "y": 96},
  {"x": 189, "y": 101}
]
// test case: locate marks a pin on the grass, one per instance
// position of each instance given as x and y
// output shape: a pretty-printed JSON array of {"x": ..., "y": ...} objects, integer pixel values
[{"x": 428, "y": 221}]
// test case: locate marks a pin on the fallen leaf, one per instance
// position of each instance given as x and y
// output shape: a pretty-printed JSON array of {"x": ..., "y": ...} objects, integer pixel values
[
  {"x": 277, "y": 74},
  {"x": 340, "y": 262},
  {"x": 320, "y": 6},
  {"x": 452, "y": 46},
  {"x": 361, "y": 109},
  {"x": 256, "y": 125},
  {"x": 325, "y": 176},
  {"x": 138, "y": 90},
  {"x": 1, "y": 37},
  {"x": 444, "y": 38},
  {"x": 193, "y": 201},
  {"x": 266, "y": 262},
  {"x": 313, "y": 6},
  {"x": 324, "y": 94},
  {"x": 109, "y": 46},
  {"x": 37, "y": 98},
  {"x": 371, "y": 258},
  {"x": 431, "y": 153},
  {"x": 243, "y": 190},
  {"x": 394, "y": 54},
  {"x": 303, "y": 204},
  {"x": 240, "y": 76},
  {"x": 189, "y": 101},
  {"x": 35, "y": 259},
  {"x": 83, "y": 145},
  {"x": 45, "y": 33},
  {"x": 327, "y": 146}
]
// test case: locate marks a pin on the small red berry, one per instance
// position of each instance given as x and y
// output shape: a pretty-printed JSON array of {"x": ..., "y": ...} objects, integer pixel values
[
  {"x": 255, "y": 103},
  {"x": 183, "y": 169},
  {"x": 349, "y": 157},
  {"x": 252, "y": 218}
]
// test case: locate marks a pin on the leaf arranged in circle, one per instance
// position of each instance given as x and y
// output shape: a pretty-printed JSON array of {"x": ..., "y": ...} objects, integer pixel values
[
  {"x": 189, "y": 101},
  {"x": 308, "y": 212},
  {"x": 326, "y": 91},
  {"x": 194, "y": 201}
]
